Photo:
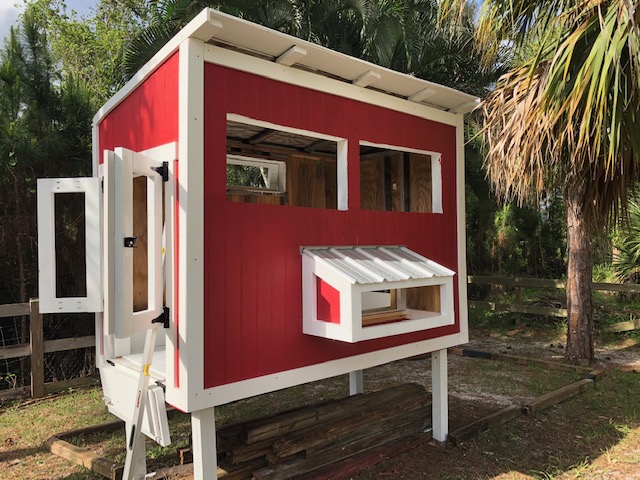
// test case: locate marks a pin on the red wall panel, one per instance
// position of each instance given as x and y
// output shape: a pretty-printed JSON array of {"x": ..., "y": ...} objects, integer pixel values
[
  {"x": 253, "y": 268},
  {"x": 148, "y": 117}
]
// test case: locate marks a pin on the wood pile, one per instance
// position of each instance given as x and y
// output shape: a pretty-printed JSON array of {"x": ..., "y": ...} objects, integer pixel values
[{"x": 296, "y": 442}]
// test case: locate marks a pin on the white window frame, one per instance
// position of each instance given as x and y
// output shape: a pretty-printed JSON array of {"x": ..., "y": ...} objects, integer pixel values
[
  {"x": 276, "y": 173},
  {"x": 49, "y": 301}
]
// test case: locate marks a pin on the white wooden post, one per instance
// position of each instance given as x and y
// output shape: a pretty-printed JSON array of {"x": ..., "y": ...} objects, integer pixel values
[
  {"x": 203, "y": 430},
  {"x": 439, "y": 392},
  {"x": 356, "y": 382}
]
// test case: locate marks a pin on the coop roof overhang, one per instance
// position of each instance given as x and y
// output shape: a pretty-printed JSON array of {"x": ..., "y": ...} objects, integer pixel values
[
  {"x": 237, "y": 34},
  {"x": 351, "y": 271}
]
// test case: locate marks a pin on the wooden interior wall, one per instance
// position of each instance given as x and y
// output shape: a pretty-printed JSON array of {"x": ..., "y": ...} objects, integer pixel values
[
  {"x": 424, "y": 298},
  {"x": 372, "y": 184},
  {"x": 421, "y": 183},
  {"x": 140, "y": 273},
  {"x": 312, "y": 181}
]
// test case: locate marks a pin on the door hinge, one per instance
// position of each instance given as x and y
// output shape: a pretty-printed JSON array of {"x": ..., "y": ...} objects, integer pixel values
[
  {"x": 163, "y": 171},
  {"x": 163, "y": 318},
  {"x": 130, "y": 242}
]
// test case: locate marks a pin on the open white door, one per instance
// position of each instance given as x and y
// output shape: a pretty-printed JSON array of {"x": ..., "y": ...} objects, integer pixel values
[
  {"x": 127, "y": 166},
  {"x": 51, "y": 191}
]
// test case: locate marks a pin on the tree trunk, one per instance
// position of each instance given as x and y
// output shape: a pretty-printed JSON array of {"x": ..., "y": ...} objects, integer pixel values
[{"x": 579, "y": 278}]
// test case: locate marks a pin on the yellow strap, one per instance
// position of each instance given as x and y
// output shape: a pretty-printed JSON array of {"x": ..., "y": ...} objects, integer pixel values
[{"x": 146, "y": 369}]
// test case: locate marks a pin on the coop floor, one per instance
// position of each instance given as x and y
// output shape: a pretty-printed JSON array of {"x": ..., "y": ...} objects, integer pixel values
[{"x": 158, "y": 368}]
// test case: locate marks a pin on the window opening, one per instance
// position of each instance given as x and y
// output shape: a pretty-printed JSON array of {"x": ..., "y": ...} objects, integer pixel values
[
  {"x": 393, "y": 180},
  {"x": 277, "y": 166},
  {"x": 70, "y": 245}
]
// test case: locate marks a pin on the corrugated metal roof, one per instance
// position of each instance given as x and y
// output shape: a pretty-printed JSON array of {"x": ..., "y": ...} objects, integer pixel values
[{"x": 377, "y": 264}]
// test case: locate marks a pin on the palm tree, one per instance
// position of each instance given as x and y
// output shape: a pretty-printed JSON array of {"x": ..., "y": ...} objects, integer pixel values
[{"x": 566, "y": 118}]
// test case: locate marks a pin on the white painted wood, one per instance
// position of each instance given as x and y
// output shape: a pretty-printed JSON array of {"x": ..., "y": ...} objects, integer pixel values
[
  {"x": 203, "y": 430},
  {"x": 276, "y": 178},
  {"x": 356, "y": 382},
  {"x": 421, "y": 95},
  {"x": 191, "y": 222},
  {"x": 367, "y": 78},
  {"x": 49, "y": 301},
  {"x": 234, "y": 117},
  {"x": 436, "y": 183},
  {"x": 293, "y": 76},
  {"x": 158, "y": 423},
  {"x": 439, "y": 391},
  {"x": 462, "y": 238},
  {"x": 256, "y": 386},
  {"x": 134, "y": 428},
  {"x": 291, "y": 56},
  {"x": 234, "y": 31},
  {"x": 343, "y": 175},
  {"x": 137, "y": 468},
  {"x": 466, "y": 107},
  {"x": 108, "y": 246}
]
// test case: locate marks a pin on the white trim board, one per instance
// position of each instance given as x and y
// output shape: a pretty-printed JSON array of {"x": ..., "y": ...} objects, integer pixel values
[{"x": 223, "y": 394}]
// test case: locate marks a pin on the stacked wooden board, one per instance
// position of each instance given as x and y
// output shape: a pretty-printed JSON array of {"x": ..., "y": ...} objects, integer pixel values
[{"x": 293, "y": 443}]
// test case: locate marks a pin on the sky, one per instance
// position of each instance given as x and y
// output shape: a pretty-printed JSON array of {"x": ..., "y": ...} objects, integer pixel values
[{"x": 10, "y": 9}]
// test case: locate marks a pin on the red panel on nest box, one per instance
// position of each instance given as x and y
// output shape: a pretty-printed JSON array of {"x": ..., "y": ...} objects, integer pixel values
[{"x": 328, "y": 302}]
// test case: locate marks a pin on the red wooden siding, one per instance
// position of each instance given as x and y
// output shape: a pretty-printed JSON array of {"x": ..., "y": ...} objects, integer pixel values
[
  {"x": 148, "y": 117},
  {"x": 328, "y": 309},
  {"x": 253, "y": 300}
]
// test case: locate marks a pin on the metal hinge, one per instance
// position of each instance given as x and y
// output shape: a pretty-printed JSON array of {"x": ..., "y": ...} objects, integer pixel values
[
  {"x": 163, "y": 318},
  {"x": 163, "y": 171}
]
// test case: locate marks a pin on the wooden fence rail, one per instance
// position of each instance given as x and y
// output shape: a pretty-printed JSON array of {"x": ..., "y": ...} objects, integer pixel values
[
  {"x": 520, "y": 282},
  {"x": 36, "y": 348}
]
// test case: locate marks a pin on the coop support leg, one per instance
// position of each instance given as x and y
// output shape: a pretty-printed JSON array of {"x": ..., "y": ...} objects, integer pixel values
[
  {"x": 440, "y": 408},
  {"x": 203, "y": 430},
  {"x": 356, "y": 382}
]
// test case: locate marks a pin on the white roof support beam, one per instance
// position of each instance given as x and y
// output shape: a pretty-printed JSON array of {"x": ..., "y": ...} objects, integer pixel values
[
  {"x": 466, "y": 106},
  {"x": 367, "y": 78},
  {"x": 291, "y": 56},
  {"x": 421, "y": 95}
]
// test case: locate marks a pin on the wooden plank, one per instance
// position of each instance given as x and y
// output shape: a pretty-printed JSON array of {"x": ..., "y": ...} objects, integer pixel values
[
  {"x": 14, "y": 310},
  {"x": 549, "y": 283},
  {"x": 63, "y": 344},
  {"x": 560, "y": 395},
  {"x": 467, "y": 352},
  {"x": 295, "y": 420},
  {"x": 420, "y": 197},
  {"x": 482, "y": 425},
  {"x": 14, "y": 351},
  {"x": 59, "y": 345},
  {"x": 371, "y": 184},
  {"x": 107, "y": 427},
  {"x": 36, "y": 349},
  {"x": 314, "y": 436},
  {"x": 306, "y": 182},
  {"x": 396, "y": 182},
  {"x": 424, "y": 298},
  {"x": 84, "y": 457},
  {"x": 299, "y": 467},
  {"x": 622, "y": 326},
  {"x": 15, "y": 393},
  {"x": 53, "y": 387},
  {"x": 617, "y": 287},
  {"x": 508, "y": 307}
]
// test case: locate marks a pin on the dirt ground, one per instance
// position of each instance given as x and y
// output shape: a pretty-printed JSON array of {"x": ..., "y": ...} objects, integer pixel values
[{"x": 595, "y": 435}]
